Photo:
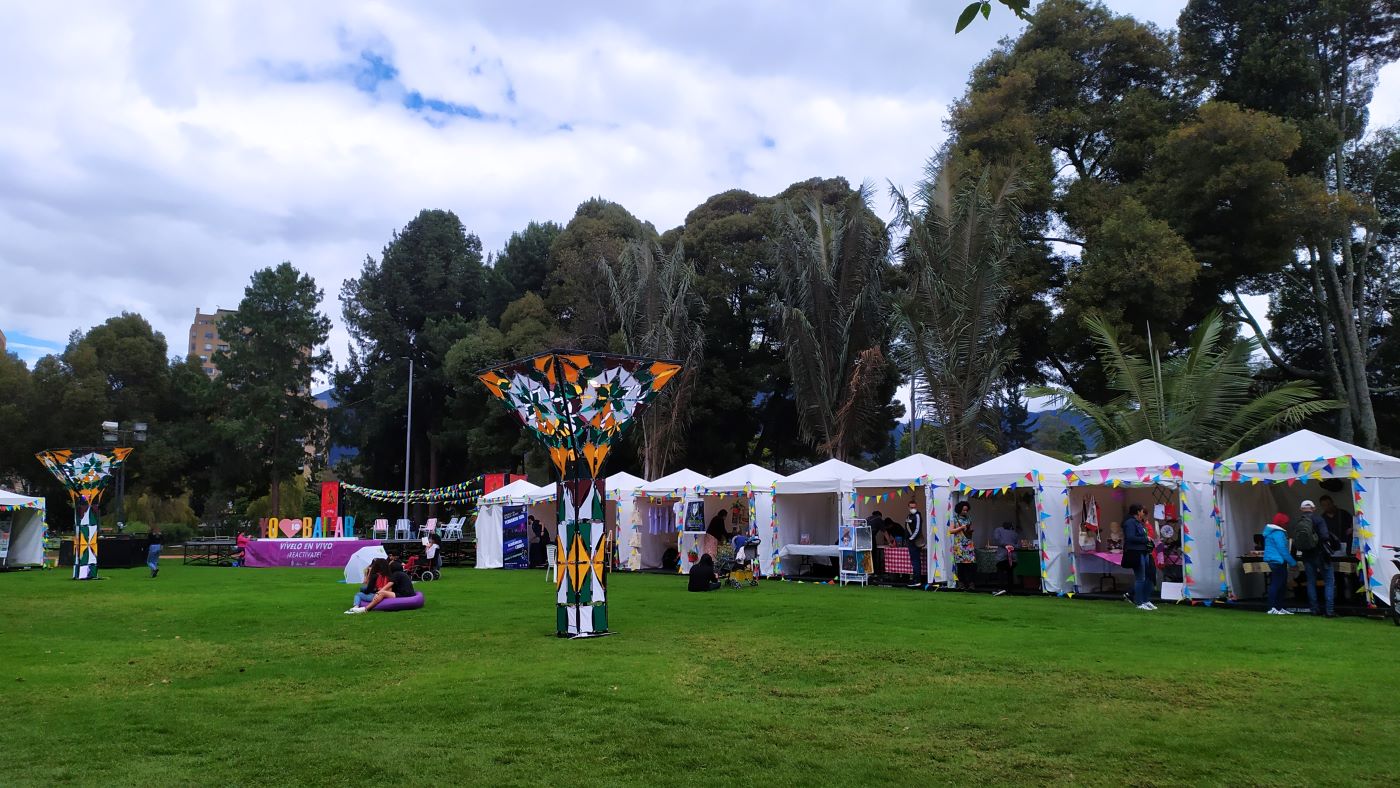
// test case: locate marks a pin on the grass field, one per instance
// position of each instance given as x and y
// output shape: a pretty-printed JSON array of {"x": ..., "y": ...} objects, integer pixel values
[{"x": 242, "y": 677}]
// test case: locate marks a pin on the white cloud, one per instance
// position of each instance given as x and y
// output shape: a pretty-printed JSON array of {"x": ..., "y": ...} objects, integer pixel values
[{"x": 153, "y": 155}]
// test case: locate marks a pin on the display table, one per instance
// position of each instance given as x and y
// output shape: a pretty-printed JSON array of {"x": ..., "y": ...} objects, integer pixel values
[
  {"x": 316, "y": 553},
  {"x": 827, "y": 550},
  {"x": 896, "y": 560}
]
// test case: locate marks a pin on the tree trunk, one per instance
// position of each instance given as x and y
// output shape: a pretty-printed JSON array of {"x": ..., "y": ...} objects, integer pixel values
[{"x": 1346, "y": 417}]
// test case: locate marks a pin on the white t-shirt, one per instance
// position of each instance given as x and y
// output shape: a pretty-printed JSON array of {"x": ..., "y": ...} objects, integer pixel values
[{"x": 432, "y": 551}]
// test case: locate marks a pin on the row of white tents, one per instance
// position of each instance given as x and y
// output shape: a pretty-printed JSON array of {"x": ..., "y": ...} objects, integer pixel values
[{"x": 1220, "y": 506}]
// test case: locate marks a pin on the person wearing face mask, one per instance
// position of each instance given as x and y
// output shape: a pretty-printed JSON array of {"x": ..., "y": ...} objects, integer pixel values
[{"x": 914, "y": 524}]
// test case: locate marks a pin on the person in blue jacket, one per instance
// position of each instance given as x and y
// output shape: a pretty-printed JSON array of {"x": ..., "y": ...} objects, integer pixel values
[
  {"x": 1137, "y": 555},
  {"x": 1277, "y": 556}
]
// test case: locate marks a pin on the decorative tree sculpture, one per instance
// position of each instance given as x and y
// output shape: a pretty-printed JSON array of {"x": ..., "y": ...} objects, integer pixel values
[
  {"x": 85, "y": 473},
  {"x": 578, "y": 405}
]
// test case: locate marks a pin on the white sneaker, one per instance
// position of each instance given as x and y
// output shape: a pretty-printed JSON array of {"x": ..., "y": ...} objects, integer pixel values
[
  {"x": 352, "y": 611},
  {"x": 1273, "y": 611},
  {"x": 1150, "y": 606},
  {"x": 999, "y": 593},
  {"x": 1283, "y": 611},
  {"x": 1143, "y": 606}
]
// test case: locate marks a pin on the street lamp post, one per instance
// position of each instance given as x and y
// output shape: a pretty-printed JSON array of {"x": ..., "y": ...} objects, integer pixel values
[{"x": 408, "y": 440}]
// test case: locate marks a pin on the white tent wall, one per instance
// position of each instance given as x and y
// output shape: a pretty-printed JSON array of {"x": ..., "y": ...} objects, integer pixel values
[
  {"x": 1244, "y": 511},
  {"x": 1383, "y": 515},
  {"x": 650, "y": 547},
  {"x": 816, "y": 514},
  {"x": 26, "y": 537},
  {"x": 1056, "y": 534},
  {"x": 489, "y": 538}
]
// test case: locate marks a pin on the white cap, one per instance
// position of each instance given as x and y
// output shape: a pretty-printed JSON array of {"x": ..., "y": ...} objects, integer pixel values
[{"x": 1306, "y": 505}]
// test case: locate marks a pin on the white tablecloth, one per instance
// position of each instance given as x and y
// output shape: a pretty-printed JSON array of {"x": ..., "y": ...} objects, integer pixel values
[{"x": 829, "y": 550}]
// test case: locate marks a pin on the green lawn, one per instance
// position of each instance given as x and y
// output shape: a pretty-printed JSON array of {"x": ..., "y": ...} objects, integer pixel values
[{"x": 247, "y": 676}]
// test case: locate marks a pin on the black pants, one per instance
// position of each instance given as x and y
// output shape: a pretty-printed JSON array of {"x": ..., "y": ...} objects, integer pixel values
[
  {"x": 1006, "y": 573},
  {"x": 967, "y": 575}
]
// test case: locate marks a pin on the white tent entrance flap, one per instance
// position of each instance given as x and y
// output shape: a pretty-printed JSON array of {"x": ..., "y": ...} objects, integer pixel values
[
  {"x": 22, "y": 530},
  {"x": 1177, "y": 491},
  {"x": 1028, "y": 490},
  {"x": 621, "y": 490},
  {"x": 1279, "y": 475}
]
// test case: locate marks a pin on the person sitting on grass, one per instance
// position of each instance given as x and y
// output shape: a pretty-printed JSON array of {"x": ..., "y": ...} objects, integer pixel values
[
  {"x": 376, "y": 577},
  {"x": 702, "y": 575},
  {"x": 399, "y": 586}
]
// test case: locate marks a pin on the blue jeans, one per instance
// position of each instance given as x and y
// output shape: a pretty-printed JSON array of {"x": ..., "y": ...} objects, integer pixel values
[
  {"x": 916, "y": 563},
  {"x": 362, "y": 599},
  {"x": 1142, "y": 585},
  {"x": 152, "y": 556},
  {"x": 1278, "y": 581},
  {"x": 1315, "y": 565}
]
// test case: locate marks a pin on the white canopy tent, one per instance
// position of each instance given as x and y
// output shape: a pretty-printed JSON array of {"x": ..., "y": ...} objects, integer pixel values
[
  {"x": 22, "y": 528},
  {"x": 659, "y": 519},
  {"x": 1019, "y": 486},
  {"x": 1150, "y": 473},
  {"x": 1279, "y": 475},
  {"x": 750, "y": 489},
  {"x": 810, "y": 507},
  {"x": 489, "y": 520},
  {"x": 919, "y": 478}
]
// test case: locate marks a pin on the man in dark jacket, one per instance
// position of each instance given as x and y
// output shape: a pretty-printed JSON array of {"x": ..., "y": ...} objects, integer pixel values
[
  {"x": 1317, "y": 561},
  {"x": 914, "y": 523},
  {"x": 1137, "y": 556}
]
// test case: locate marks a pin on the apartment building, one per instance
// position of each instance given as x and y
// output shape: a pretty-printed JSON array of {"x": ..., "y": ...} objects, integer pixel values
[{"x": 204, "y": 339}]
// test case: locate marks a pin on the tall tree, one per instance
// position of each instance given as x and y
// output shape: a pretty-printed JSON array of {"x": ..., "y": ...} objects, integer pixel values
[
  {"x": 1315, "y": 64},
  {"x": 276, "y": 343},
  {"x": 416, "y": 301},
  {"x": 521, "y": 267},
  {"x": 962, "y": 231},
  {"x": 831, "y": 262},
  {"x": 660, "y": 315},
  {"x": 1203, "y": 400},
  {"x": 574, "y": 291}
]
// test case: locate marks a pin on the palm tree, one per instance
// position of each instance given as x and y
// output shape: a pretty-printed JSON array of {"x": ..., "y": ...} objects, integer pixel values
[
  {"x": 963, "y": 228},
  {"x": 1204, "y": 401},
  {"x": 830, "y": 263},
  {"x": 654, "y": 295}
]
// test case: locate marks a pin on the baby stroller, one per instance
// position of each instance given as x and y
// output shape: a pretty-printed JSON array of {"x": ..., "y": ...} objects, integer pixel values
[
  {"x": 419, "y": 569},
  {"x": 735, "y": 564}
]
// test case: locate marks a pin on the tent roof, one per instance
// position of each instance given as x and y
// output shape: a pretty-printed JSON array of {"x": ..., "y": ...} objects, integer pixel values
[
  {"x": 909, "y": 470},
  {"x": 830, "y": 476},
  {"x": 624, "y": 482},
  {"x": 1149, "y": 455},
  {"x": 1306, "y": 446},
  {"x": 755, "y": 476},
  {"x": 1011, "y": 468},
  {"x": 14, "y": 499},
  {"x": 684, "y": 479},
  {"x": 516, "y": 490}
]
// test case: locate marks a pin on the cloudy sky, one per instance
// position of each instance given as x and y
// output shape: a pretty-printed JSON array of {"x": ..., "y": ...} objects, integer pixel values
[{"x": 154, "y": 154}]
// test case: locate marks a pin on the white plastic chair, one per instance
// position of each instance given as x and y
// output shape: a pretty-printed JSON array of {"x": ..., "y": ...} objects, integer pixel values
[
  {"x": 381, "y": 527},
  {"x": 453, "y": 529},
  {"x": 403, "y": 529},
  {"x": 551, "y": 554}
]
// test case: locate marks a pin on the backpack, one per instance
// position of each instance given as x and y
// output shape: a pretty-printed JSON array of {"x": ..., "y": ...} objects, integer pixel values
[{"x": 1304, "y": 535}]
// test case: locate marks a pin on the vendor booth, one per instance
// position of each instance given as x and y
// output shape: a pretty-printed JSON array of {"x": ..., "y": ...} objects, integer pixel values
[
  {"x": 22, "y": 530},
  {"x": 747, "y": 494},
  {"x": 889, "y": 489},
  {"x": 501, "y": 512},
  {"x": 1179, "y": 495},
  {"x": 665, "y": 519},
  {"x": 1028, "y": 490},
  {"x": 811, "y": 506},
  {"x": 1364, "y": 491}
]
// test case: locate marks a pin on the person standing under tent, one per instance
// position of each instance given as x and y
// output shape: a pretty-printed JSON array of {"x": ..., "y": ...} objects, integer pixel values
[
  {"x": 964, "y": 548},
  {"x": 1005, "y": 539},
  {"x": 1137, "y": 556},
  {"x": 1339, "y": 525},
  {"x": 1278, "y": 557},
  {"x": 1312, "y": 539},
  {"x": 154, "y": 541},
  {"x": 917, "y": 544},
  {"x": 539, "y": 541},
  {"x": 716, "y": 533}
]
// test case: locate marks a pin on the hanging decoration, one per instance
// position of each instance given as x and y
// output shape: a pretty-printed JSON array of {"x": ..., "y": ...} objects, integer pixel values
[
  {"x": 85, "y": 473},
  {"x": 577, "y": 405},
  {"x": 463, "y": 492}
]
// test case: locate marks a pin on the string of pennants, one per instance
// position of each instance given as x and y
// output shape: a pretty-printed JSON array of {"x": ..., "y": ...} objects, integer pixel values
[
  {"x": 462, "y": 492},
  {"x": 885, "y": 497},
  {"x": 1144, "y": 475},
  {"x": 1314, "y": 470}
]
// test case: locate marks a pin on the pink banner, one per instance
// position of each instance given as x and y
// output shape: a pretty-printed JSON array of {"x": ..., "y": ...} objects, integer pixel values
[{"x": 319, "y": 553}]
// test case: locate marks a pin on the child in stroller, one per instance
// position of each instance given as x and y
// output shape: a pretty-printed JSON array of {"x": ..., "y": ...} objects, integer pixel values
[{"x": 736, "y": 560}]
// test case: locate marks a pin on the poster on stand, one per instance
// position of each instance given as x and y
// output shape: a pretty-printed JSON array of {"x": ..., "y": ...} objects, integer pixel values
[
  {"x": 695, "y": 517},
  {"x": 515, "y": 539}
]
